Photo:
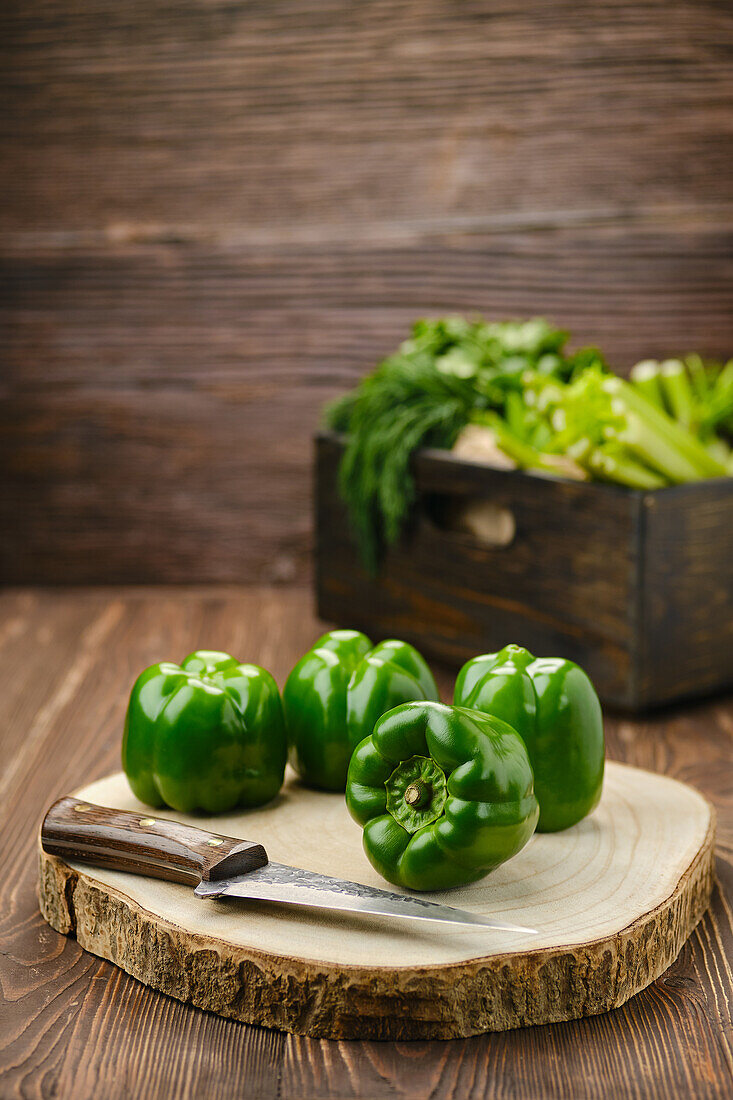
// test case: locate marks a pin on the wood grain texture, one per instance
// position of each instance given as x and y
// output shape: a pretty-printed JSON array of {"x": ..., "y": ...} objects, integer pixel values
[
  {"x": 612, "y": 902},
  {"x": 686, "y": 586},
  {"x": 66, "y": 662},
  {"x": 215, "y": 217}
]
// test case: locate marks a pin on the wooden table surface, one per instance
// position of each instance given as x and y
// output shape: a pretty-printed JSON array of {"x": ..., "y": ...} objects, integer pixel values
[{"x": 73, "y": 1024}]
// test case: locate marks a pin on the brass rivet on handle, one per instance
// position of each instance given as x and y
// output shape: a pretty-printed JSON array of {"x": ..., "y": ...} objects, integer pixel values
[
  {"x": 147, "y": 821},
  {"x": 82, "y": 808},
  {"x": 214, "y": 842}
]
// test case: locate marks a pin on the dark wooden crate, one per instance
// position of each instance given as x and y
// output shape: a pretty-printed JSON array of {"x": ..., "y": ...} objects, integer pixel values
[{"x": 637, "y": 587}]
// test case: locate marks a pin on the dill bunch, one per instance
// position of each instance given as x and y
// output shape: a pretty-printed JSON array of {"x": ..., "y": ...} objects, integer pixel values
[{"x": 423, "y": 396}]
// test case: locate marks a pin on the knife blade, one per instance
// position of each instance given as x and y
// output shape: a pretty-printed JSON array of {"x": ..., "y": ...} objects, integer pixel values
[
  {"x": 293, "y": 886},
  {"x": 219, "y": 866}
]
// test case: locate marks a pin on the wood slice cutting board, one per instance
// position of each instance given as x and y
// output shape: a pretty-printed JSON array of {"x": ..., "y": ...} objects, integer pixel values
[{"x": 613, "y": 898}]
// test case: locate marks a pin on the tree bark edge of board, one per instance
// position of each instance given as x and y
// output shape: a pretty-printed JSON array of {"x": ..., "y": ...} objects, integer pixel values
[{"x": 323, "y": 1000}]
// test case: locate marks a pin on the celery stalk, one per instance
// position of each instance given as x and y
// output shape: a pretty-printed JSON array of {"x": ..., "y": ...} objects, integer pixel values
[
  {"x": 698, "y": 377},
  {"x": 623, "y": 470},
  {"x": 678, "y": 391},
  {"x": 580, "y": 450},
  {"x": 645, "y": 376},
  {"x": 660, "y": 428},
  {"x": 720, "y": 450},
  {"x": 655, "y": 451},
  {"x": 524, "y": 454},
  {"x": 724, "y": 381}
]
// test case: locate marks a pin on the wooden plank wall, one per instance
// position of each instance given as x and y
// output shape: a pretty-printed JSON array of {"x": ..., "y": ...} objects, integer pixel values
[{"x": 215, "y": 214}]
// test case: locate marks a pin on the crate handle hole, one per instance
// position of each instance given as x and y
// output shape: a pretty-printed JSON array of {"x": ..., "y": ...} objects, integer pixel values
[{"x": 482, "y": 520}]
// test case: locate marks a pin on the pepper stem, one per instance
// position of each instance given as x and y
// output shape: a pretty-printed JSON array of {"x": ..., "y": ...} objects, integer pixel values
[{"x": 417, "y": 794}]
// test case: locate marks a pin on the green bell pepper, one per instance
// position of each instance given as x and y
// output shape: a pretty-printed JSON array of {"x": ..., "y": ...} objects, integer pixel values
[
  {"x": 553, "y": 706},
  {"x": 336, "y": 693},
  {"x": 444, "y": 795},
  {"x": 208, "y": 734}
]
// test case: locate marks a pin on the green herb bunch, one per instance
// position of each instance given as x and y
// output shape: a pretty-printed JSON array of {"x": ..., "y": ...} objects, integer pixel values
[
  {"x": 546, "y": 410},
  {"x": 423, "y": 396}
]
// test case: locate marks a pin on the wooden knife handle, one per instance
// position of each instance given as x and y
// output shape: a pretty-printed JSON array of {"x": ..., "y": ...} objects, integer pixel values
[{"x": 144, "y": 844}]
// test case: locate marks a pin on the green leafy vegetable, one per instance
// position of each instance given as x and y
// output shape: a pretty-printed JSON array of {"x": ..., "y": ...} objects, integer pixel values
[
  {"x": 423, "y": 396},
  {"x": 557, "y": 413}
]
